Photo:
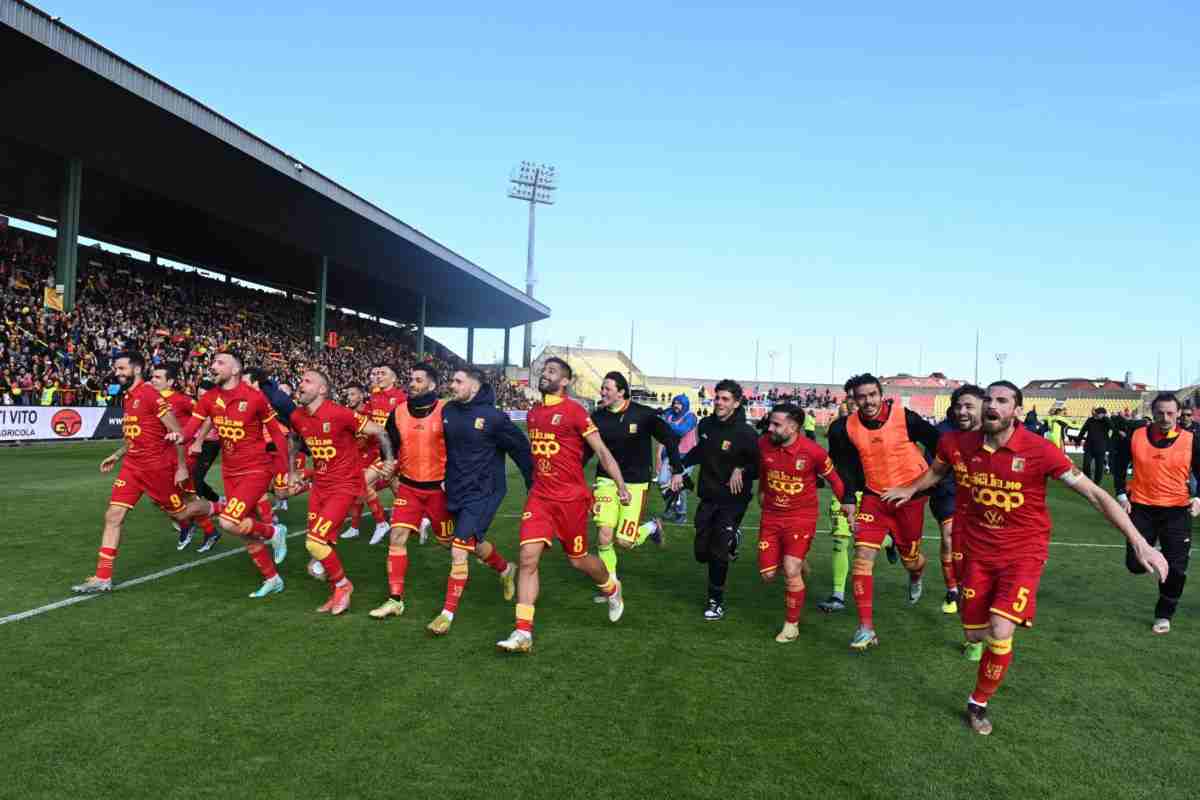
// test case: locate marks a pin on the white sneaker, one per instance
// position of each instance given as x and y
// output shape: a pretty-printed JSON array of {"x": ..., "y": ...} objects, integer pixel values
[
  {"x": 424, "y": 533},
  {"x": 93, "y": 585},
  {"x": 349, "y": 533},
  {"x": 279, "y": 544},
  {"x": 517, "y": 642},
  {"x": 616, "y": 605},
  {"x": 1161, "y": 626},
  {"x": 381, "y": 530},
  {"x": 283, "y": 505}
]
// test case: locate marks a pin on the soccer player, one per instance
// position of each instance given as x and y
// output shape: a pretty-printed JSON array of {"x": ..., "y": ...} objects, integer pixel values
[
  {"x": 477, "y": 437},
  {"x": 881, "y": 440},
  {"x": 281, "y": 401},
  {"x": 1159, "y": 499},
  {"x": 165, "y": 379},
  {"x": 964, "y": 414},
  {"x": 626, "y": 429},
  {"x": 205, "y": 453},
  {"x": 148, "y": 455},
  {"x": 728, "y": 457},
  {"x": 560, "y": 501},
  {"x": 356, "y": 400},
  {"x": 385, "y": 397},
  {"x": 840, "y": 522},
  {"x": 244, "y": 419},
  {"x": 1006, "y": 468},
  {"x": 329, "y": 432},
  {"x": 789, "y": 464}
]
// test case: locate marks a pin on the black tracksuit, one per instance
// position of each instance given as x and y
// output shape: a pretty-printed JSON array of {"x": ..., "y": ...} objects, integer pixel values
[
  {"x": 1096, "y": 437},
  {"x": 1170, "y": 528},
  {"x": 723, "y": 446}
]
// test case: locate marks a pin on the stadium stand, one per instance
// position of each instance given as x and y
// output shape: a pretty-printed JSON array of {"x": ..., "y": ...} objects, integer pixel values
[{"x": 53, "y": 358}]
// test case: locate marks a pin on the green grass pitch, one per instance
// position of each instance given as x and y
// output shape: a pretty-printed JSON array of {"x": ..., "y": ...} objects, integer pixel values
[{"x": 183, "y": 687}]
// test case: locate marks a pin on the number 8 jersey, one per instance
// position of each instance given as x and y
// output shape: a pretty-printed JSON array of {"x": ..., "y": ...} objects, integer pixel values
[{"x": 556, "y": 431}]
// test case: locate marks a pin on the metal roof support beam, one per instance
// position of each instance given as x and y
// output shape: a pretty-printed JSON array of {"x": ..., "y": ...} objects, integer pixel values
[
  {"x": 319, "y": 312},
  {"x": 421, "y": 331},
  {"x": 67, "y": 268},
  {"x": 470, "y": 345},
  {"x": 507, "y": 336}
]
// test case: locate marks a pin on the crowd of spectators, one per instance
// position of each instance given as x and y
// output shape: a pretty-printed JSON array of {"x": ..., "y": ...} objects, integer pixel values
[{"x": 50, "y": 357}]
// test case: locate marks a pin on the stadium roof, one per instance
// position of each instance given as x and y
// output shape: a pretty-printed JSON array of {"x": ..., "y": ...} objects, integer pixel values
[{"x": 165, "y": 174}]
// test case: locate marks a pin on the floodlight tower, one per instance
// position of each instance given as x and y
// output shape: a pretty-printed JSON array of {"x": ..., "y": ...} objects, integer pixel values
[
  {"x": 1000, "y": 358},
  {"x": 535, "y": 184}
]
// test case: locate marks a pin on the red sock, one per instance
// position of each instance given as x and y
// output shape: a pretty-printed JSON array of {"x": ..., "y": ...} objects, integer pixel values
[
  {"x": 794, "y": 602},
  {"x": 205, "y": 524},
  {"x": 264, "y": 511},
  {"x": 261, "y": 530},
  {"x": 455, "y": 585},
  {"x": 356, "y": 517},
  {"x": 397, "y": 567},
  {"x": 376, "y": 510},
  {"x": 218, "y": 508},
  {"x": 104, "y": 564},
  {"x": 914, "y": 572},
  {"x": 863, "y": 583},
  {"x": 524, "y": 618},
  {"x": 992, "y": 668},
  {"x": 333, "y": 567},
  {"x": 496, "y": 561},
  {"x": 261, "y": 557},
  {"x": 948, "y": 573}
]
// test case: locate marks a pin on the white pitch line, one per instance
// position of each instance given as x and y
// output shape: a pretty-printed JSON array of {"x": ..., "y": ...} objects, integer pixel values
[{"x": 70, "y": 601}]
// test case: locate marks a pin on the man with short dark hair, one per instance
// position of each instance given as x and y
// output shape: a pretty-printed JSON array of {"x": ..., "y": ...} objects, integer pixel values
[
  {"x": 1161, "y": 499},
  {"x": 788, "y": 468},
  {"x": 882, "y": 441},
  {"x": 627, "y": 429},
  {"x": 1007, "y": 469},
  {"x": 727, "y": 454}
]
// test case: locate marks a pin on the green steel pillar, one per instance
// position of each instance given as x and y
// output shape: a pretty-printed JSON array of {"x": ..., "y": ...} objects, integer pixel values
[
  {"x": 68, "y": 232},
  {"x": 507, "y": 333},
  {"x": 470, "y": 345},
  {"x": 319, "y": 316}
]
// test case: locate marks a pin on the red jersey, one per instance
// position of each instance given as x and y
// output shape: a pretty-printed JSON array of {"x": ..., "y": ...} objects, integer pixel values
[
  {"x": 556, "y": 432},
  {"x": 787, "y": 476},
  {"x": 331, "y": 436},
  {"x": 380, "y": 406},
  {"x": 144, "y": 430},
  {"x": 181, "y": 405},
  {"x": 239, "y": 416},
  {"x": 1004, "y": 511}
]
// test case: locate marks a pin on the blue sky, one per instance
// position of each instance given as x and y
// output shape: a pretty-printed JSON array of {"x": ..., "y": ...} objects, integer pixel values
[{"x": 766, "y": 174}]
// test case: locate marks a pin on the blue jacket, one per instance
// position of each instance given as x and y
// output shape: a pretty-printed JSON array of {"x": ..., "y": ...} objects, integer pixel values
[
  {"x": 683, "y": 423},
  {"x": 477, "y": 436},
  {"x": 282, "y": 404}
]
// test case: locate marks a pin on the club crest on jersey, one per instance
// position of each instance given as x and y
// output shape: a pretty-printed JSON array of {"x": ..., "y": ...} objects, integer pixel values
[
  {"x": 557, "y": 418},
  {"x": 632, "y": 428},
  {"x": 726, "y": 444},
  {"x": 242, "y": 406},
  {"x": 325, "y": 427},
  {"x": 137, "y": 403},
  {"x": 1018, "y": 464},
  {"x": 801, "y": 463},
  {"x": 479, "y": 423}
]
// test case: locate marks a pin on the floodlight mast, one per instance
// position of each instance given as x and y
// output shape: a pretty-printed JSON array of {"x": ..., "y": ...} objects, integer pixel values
[{"x": 535, "y": 184}]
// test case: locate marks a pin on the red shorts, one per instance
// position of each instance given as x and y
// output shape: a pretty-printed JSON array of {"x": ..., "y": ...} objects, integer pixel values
[
  {"x": 1008, "y": 590},
  {"x": 242, "y": 493},
  {"x": 547, "y": 520},
  {"x": 134, "y": 481},
  {"x": 783, "y": 536},
  {"x": 327, "y": 510},
  {"x": 876, "y": 519},
  {"x": 413, "y": 505}
]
